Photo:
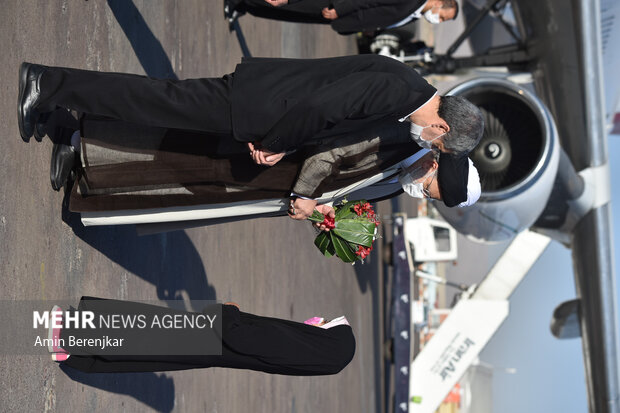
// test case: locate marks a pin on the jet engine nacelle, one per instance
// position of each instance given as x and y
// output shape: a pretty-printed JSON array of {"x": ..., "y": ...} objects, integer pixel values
[{"x": 517, "y": 159}]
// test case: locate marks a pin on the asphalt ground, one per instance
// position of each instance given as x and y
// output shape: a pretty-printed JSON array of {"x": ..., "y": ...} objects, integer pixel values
[{"x": 269, "y": 266}]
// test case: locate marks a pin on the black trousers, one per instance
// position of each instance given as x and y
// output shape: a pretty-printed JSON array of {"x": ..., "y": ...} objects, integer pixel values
[
  {"x": 194, "y": 104},
  {"x": 251, "y": 342},
  {"x": 303, "y": 11}
]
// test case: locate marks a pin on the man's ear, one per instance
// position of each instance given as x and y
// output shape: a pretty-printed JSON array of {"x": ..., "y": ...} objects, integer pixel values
[
  {"x": 443, "y": 125},
  {"x": 445, "y": 128}
]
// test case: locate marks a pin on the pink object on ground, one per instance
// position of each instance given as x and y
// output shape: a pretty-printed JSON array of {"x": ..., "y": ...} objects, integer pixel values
[
  {"x": 53, "y": 334},
  {"x": 60, "y": 357},
  {"x": 342, "y": 320},
  {"x": 314, "y": 321}
]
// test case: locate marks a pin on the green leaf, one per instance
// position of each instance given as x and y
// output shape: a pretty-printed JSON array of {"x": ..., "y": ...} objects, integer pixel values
[
  {"x": 324, "y": 243},
  {"x": 342, "y": 248},
  {"x": 355, "y": 231},
  {"x": 316, "y": 216},
  {"x": 347, "y": 211}
]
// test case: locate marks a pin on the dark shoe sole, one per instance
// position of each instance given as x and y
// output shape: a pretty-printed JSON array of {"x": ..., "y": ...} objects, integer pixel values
[
  {"x": 40, "y": 129},
  {"x": 39, "y": 132},
  {"x": 23, "y": 81}
]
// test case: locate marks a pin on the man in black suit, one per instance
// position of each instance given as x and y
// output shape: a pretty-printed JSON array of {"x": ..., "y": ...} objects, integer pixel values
[
  {"x": 347, "y": 16},
  {"x": 274, "y": 105}
]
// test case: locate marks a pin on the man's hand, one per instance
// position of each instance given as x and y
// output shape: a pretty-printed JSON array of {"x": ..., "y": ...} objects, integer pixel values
[
  {"x": 263, "y": 156},
  {"x": 329, "y": 14},
  {"x": 277, "y": 2},
  {"x": 328, "y": 212},
  {"x": 301, "y": 208}
]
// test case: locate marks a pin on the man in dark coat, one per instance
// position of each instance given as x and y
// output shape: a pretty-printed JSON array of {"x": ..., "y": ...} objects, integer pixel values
[
  {"x": 347, "y": 16},
  {"x": 276, "y": 106}
]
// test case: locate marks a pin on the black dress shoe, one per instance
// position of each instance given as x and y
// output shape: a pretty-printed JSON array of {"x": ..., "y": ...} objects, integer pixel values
[
  {"x": 28, "y": 98},
  {"x": 63, "y": 162}
]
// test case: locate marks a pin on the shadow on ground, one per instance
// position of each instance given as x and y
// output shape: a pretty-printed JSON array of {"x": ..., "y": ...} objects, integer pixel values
[
  {"x": 367, "y": 279},
  {"x": 169, "y": 261},
  {"x": 146, "y": 46},
  {"x": 154, "y": 390}
]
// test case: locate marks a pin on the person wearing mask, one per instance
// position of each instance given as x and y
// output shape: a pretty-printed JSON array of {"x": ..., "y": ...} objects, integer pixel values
[
  {"x": 340, "y": 120},
  {"x": 347, "y": 16}
]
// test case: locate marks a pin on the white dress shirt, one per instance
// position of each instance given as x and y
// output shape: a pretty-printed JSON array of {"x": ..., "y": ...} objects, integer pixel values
[{"x": 415, "y": 15}]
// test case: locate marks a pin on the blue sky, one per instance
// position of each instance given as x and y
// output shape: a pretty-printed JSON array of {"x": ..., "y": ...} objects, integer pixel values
[{"x": 550, "y": 374}]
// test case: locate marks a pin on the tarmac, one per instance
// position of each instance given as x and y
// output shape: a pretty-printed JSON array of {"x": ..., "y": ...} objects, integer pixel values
[{"x": 269, "y": 266}]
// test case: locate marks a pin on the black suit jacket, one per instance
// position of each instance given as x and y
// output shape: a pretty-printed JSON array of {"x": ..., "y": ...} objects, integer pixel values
[
  {"x": 288, "y": 103},
  {"x": 362, "y": 15}
]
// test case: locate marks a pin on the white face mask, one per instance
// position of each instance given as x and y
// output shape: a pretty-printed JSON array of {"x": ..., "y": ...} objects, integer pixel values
[
  {"x": 414, "y": 187},
  {"x": 432, "y": 18},
  {"x": 416, "y": 135},
  {"x": 415, "y": 190}
]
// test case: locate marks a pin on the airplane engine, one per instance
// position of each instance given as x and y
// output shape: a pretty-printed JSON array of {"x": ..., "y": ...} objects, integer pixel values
[{"x": 517, "y": 159}]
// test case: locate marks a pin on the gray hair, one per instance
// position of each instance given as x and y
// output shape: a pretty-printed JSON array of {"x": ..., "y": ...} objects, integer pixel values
[
  {"x": 465, "y": 121},
  {"x": 451, "y": 4}
]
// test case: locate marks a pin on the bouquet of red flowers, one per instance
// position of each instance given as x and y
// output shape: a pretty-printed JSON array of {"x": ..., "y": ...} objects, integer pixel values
[{"x": 352, "y": 231}]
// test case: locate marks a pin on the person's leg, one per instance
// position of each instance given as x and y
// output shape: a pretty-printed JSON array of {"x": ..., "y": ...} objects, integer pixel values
[
  {"x": 195, "y": 104},
  {"x": 304, "y": 11}
]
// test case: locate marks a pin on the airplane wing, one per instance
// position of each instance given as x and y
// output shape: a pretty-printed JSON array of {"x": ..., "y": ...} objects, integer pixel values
[
  {"x": 560, "y": 185},
  {"x": 584, "y": 138}
]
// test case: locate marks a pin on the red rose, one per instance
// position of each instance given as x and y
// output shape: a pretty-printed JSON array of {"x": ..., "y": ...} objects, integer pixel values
[{"x": 329, "y": 222}]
